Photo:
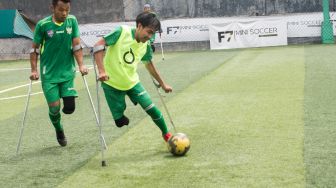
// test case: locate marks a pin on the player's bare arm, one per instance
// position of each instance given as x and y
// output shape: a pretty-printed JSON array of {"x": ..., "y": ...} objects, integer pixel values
[
  {"x": 155, "y": 73},
  {"x": 99, "y": 48},
  {"x": 78, "y": 53},
  {"x": 33, "y": 61}
]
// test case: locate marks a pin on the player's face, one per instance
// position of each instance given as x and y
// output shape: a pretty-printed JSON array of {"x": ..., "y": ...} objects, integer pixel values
[
  {"x": 144, "y": 33},
  {"x": 61, "y": 11}
]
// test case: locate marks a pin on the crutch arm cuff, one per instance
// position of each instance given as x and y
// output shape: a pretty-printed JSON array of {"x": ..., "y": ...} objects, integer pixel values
[
  {"x": 76, "y": 48},
  {"x": 157, "y": 84},
  {"x": 34, "y": 50},
  {"x": 98, "y": 48}
]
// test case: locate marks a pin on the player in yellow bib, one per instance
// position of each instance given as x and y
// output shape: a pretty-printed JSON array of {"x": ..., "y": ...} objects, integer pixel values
[
  {"x": 126, "y": 48},
  {"x": 56, "y": 39}
]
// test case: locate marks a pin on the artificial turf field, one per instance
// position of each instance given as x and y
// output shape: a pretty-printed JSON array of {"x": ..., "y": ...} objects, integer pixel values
[{"x": 260, "y": 117}]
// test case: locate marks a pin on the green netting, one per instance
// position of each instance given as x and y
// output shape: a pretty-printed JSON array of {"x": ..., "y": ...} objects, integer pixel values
[
  {"x": 12, "y": 25},
  {"x": 21, "y": 28},
  {"x": 6, "y": 21},
  {"x": 327, "y": 28}
]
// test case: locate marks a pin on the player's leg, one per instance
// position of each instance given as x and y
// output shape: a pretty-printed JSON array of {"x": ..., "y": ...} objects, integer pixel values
[
  {"x": 140, "y": 95},
  {"x": 68, "y": 104},
  {"x": 116, "y": 102},
  {"x": 55, "y": 117},
  {"x": 68, "y": 94},
  {"x": 51, "y": 93}
]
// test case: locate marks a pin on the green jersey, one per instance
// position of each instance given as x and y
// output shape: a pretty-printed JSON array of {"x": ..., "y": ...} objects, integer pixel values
[
  {"x": 152, "y": 39},
  {"x": 57, "y": 62},
  {"x": 122, "y": 57}
]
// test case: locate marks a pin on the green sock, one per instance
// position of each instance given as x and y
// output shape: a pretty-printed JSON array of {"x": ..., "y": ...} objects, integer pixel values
[
  {"x": 55, "y": 117},
  {"x": 158, "y": 119}
]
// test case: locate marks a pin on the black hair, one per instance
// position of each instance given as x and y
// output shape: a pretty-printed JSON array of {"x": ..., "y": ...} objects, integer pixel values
[
  {"x": 148, "y": 19},
  {"x": 54, "y": 2}
]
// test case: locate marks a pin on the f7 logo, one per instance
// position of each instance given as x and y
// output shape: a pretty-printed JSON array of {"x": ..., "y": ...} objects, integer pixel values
[
  {"x": 172, "y": 29},
  {"x": 221, "y": 35}
]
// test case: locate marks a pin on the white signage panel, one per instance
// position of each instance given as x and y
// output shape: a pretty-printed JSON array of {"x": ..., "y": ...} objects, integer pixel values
[{"x": 248, "y": 34}]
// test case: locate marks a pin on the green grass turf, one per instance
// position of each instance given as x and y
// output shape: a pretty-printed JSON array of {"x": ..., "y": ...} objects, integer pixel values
[
  {"x": 245, "y": 123},
  {"x": 12, "y": 78},
  {"x": 42, "y": 163},
  {"x": 256, "y": 118},
  {"x": 320, "y": 116}
]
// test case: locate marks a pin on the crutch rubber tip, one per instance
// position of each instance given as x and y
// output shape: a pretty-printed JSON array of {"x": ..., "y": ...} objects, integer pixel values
[{"x": 104, "y": 163}]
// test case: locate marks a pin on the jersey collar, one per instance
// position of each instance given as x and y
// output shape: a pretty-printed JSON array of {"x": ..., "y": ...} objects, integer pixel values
[{"x": 58, "y": 24}]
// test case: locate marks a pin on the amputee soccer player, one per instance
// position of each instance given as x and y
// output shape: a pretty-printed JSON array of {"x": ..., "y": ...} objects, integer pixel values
[
  {"x": 58, "y": 38},
  {"x": 126, "y": 48}
]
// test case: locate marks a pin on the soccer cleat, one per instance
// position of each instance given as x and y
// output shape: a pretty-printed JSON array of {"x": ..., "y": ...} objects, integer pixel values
[
  {"x": 61, "y": 139},
  {"x": 167, "y": 136}
]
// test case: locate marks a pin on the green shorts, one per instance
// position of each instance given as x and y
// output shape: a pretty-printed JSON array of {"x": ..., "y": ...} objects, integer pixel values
[
  {"x": 116, "y": 98},
  {"x": 54, "y": 91}
]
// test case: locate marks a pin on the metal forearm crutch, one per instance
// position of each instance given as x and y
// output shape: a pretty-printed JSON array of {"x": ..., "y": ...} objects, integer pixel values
[
  {"x": 97, "y": 88},
  {"x": 101, "y": 136},
  {"x": 24, "y": 117},
  {"x": 157, "y": 86},
  {"x": 161, "y": 47}
]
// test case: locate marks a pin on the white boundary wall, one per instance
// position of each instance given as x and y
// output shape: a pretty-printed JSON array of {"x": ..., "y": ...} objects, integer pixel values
[{"x": 197, "y": 29}]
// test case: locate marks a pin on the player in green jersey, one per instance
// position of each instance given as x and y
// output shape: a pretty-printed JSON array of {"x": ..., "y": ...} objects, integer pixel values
[
  {"x": 56, "y": 39},
  {"x": 126, "y": 48}
]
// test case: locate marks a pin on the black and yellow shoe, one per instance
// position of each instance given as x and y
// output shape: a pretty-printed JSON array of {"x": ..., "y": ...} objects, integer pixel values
[{"x": 61, "y": 138}]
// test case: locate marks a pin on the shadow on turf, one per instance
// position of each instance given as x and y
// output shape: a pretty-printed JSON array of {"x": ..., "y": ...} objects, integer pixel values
[
  {"x": 141, "y": 156},
  {"x": 171, "y": 156},
  {"x": 59, "y": 151},
  {"x": 44, "y": 151}
]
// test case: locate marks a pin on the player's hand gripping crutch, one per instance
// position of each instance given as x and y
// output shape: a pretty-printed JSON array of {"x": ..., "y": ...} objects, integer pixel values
[
  {"x": 24, "y": 117},
  {"x": 157, "y": 86},
  {"x": 101, "y": 136}
]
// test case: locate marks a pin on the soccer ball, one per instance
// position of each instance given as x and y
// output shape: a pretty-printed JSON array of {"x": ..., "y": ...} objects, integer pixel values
[{"x": 179, "y": 144}]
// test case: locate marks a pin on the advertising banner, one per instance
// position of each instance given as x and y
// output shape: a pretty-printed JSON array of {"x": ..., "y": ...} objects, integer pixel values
[
  {"x": 197, "y": 29},
  {"x": 248, "y": 34}
]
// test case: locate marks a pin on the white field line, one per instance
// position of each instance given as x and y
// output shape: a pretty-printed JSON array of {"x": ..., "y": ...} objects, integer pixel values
[
  {"x": 17, "y": 87},
  {"x": 27, "y": 68},
  {"x": 19, "y": 96},
  {"x": 14, "y": 69}
]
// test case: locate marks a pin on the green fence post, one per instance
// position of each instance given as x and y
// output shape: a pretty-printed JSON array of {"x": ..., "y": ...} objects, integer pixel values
[{"x": 327, "y": 33}]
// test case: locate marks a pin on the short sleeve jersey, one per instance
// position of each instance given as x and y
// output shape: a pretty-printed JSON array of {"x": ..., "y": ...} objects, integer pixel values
[
  {"x": 122, "y": 56},
  {"x": 152, "y": 39},
  {"x": 57, "y": 62}
]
